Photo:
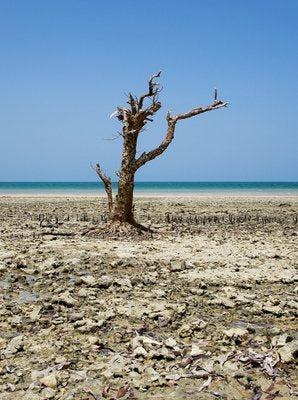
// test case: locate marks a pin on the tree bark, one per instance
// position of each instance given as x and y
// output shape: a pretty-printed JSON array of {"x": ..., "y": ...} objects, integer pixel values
[{"x": 122, "y": 210}]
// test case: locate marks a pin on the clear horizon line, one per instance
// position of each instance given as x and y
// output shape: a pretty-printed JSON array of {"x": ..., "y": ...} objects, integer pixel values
[{"x": 162, "y": 181}]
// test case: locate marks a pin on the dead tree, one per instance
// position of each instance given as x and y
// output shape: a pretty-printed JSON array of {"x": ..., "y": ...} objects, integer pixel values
[{"x": 134, "y": 118}]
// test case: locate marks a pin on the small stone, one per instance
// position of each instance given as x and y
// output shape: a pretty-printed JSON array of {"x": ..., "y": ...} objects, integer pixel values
[
  {"x": 176, "y": 266},
  {"x": 48, "y": 393},
  {"x": 76, "y": 316},
  {"x": 227, "y": 303},
  {"x": 92, "y": 339},
  {"x": 198, "y": 324},
  {"x": 15, "y": 345},
  {"x": 292, "y": 304},
  {"x": 89, "y": 280},
  {"x": 50, "y": 381},
  {"x": 196, "y": 350},
  {"x": 124, "y": 283},
  {"x": 148, "y": 342},
  {"x": 289, "y": 352},
  {"x": 60, "y": 360},
  {"x": 83, "y": 292},
  {"x": 29, "y": 395},
  {"x": 185, "y": 330},
  {"x": 189, "y": 265},
  {"x": 11, "y": 387},
  {"x": 135, "y": 342},
  {"x": 66, "y": 299},
  {"x": 36, "y": 375},
  {"x": 105, "y": 281},
  {"x": 88, "y": 325},
  {"x": 170, "y": 342},
  {"x": 162, "y": 353},
  {"x": 281, "y": 340},
  {"x": 202, "y": 285},
  {"x": 223, "y": 301},
  {"x": 136, "y": 379},
  {"x": 3, "y": 268},
  {"x": 235, "y": 332},
  {"x": 140, "y": 352},
  {"x": 231, "y": 367},
  {"x": 21, "y": 263},
  {"x": 34, "y": 314},
  {"x": 276, "y": 310},
  {"x": 273, "y": 331}
]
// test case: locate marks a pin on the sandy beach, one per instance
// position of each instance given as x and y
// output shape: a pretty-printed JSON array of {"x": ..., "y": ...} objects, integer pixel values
[{"x": 206, "y": 308}]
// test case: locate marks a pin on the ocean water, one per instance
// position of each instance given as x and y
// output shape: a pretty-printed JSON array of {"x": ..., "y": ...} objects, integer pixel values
[{"x": 150, "y": 188}]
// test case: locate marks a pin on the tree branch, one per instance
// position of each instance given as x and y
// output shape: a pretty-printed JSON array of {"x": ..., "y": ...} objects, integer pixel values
[
  {"x": 132, "y": 102},
  {"x": 152, "y": 90},
  {"x": 200, "y": 110},
  {"x": 145, "y": 157},
  {"x": 135, "y": 117},
  {"x": 107, "y": 184}
]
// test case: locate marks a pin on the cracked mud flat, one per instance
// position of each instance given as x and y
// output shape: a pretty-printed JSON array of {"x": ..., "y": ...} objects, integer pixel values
[{"x": 205, "y": 309}]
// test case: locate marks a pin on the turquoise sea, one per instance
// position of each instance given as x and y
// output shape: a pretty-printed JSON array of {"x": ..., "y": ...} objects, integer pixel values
[{"x": 151, "y": 188}]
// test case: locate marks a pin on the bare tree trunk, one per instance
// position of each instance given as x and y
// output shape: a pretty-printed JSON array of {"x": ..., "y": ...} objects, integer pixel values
[
  {"x": 123, "y": 207},
  {"x": 134, "y": 119},
  {"x": 122, "y": 210}
]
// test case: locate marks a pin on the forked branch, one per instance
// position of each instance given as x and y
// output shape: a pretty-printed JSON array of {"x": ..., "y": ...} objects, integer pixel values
[
  {"x": 145, "y": 157},
  {"x": 107, "y": 184},
  {"x": 152, "y": 90}
]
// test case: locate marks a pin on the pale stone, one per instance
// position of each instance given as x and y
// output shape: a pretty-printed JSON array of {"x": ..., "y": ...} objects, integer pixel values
[
  {"x": 196, "y": 350},
  {"x": 65, "y": 298},
  {"x": 49, "y": 381},
  {"x": 235, "y": 332},
  {"x": 289, "y": 352},
  {"x": 170, "y": 342},
  {"x": 48, "y": 393},
  {"x": 14, "y": 345},
  {"x": 140, "y": 352},
  {"x": 89, "y": 280}
]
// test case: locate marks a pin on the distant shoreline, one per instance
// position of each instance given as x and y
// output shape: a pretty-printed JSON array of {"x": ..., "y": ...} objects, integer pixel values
[
  {"x": 140, "y": 195},
  {"x": 150, "y": 189}
]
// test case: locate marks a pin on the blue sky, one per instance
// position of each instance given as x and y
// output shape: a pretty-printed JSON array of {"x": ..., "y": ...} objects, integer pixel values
[{"x": 66, "y": 65}]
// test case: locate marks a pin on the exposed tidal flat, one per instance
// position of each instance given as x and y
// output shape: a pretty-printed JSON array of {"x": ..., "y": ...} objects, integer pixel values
[{"x": 206, "y": 308}]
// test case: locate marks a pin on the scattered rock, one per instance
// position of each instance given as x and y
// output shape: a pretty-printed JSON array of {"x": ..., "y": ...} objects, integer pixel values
[
  {"x": 48, "y": 393},
  {"x": 289, "y": 352},
  {"x": 223, "y": 301},
  {"x": 15, "y": 345},
  {"x": 235, "y": 332},
  {"x": 49, "y": 381},
  {"x": 185, "y": 331},
  {"x": 170, "y": 342},
  {"x": 108, "y": 312},
  {"x": 178, "y": 265},
  {"x": 65, "y": 299},
  {"x": 89, "y": 280},
  {"x": 140, "y": 352},
  {"x": 196, "y": 350},
  {"x": 276, "y": 310}
]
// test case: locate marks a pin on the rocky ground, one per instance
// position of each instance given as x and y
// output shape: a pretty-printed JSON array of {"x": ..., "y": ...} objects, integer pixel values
[{"x": 203, "y": 309}]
